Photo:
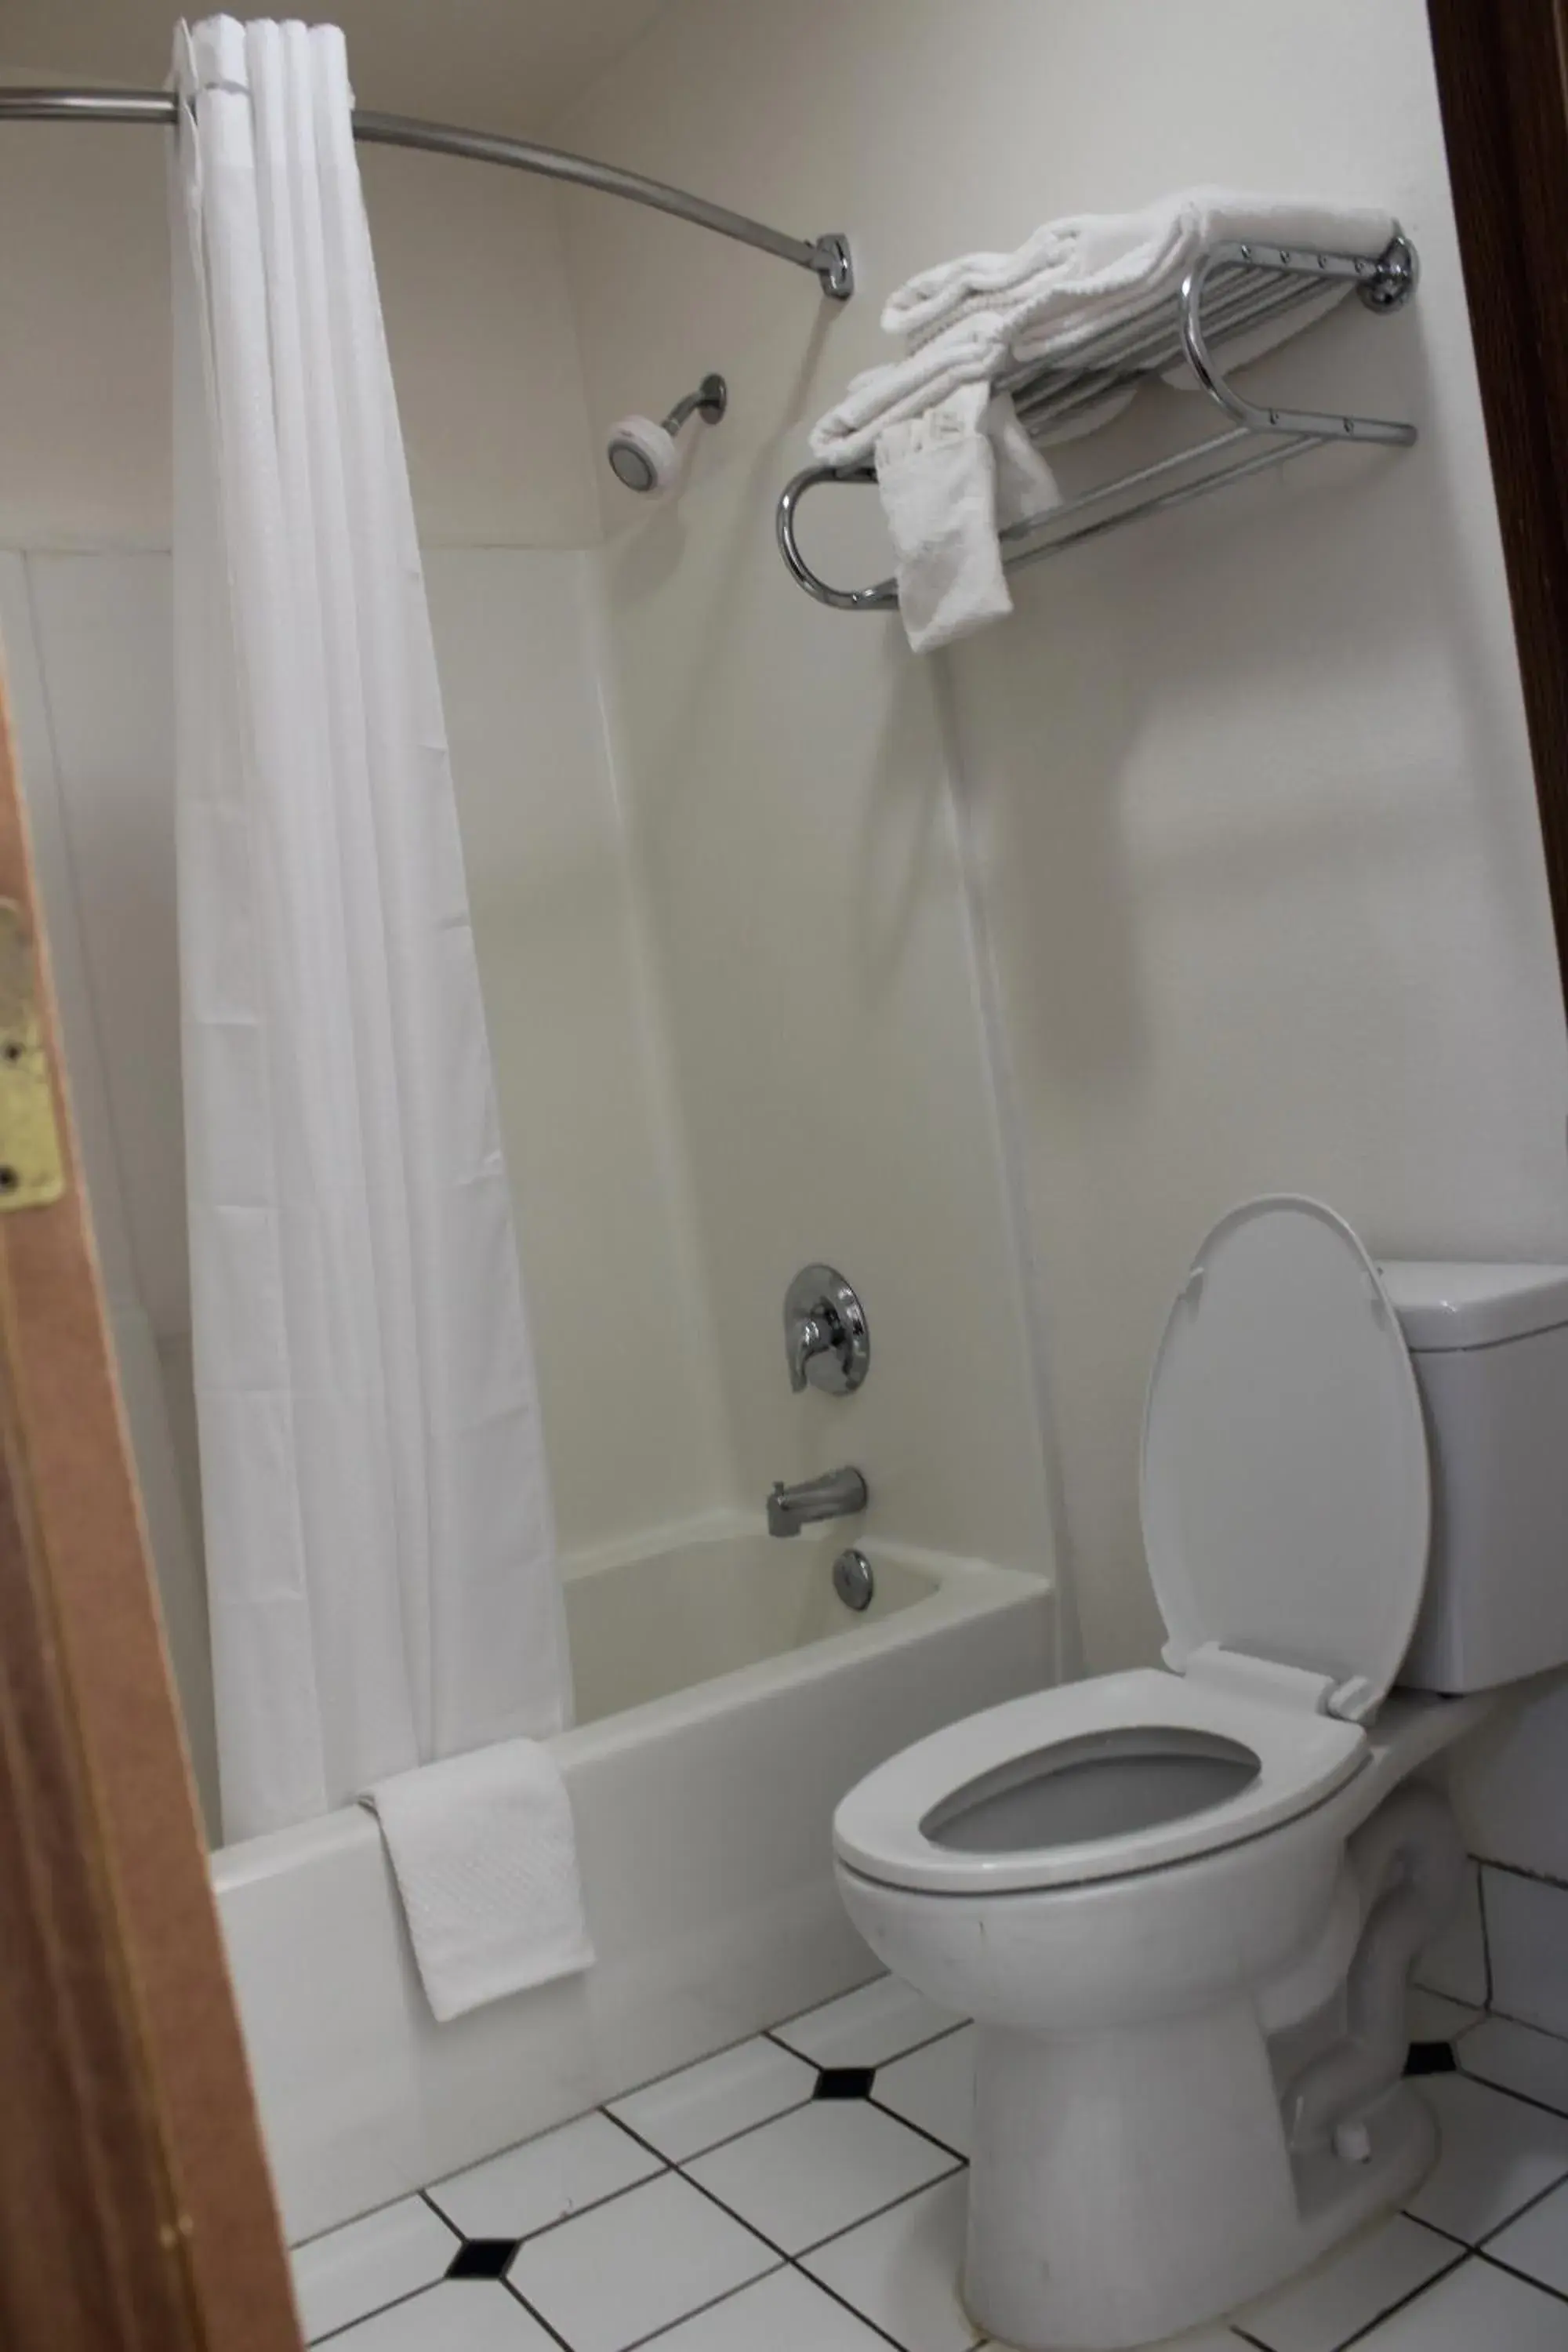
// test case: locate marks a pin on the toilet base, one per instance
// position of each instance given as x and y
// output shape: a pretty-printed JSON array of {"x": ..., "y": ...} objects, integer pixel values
[{"x": 1131, "y": 2184}]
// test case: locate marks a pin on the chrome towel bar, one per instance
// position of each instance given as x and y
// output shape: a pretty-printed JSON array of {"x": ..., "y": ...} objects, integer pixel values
[{"x": 1231, "y": 291}]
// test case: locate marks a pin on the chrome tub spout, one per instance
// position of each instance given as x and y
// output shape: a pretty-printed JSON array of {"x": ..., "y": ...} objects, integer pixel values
[{"x": 835, "y": 1495}]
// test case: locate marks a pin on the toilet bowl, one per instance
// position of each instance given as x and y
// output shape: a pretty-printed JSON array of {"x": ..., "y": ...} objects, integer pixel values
[{"x": 1181, "y": 1904}]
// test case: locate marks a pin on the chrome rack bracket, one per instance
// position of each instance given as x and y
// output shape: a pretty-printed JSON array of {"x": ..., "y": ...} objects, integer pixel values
[
  {"x": 835, "y": 265},
  {"x": 1324, "y": 268}
]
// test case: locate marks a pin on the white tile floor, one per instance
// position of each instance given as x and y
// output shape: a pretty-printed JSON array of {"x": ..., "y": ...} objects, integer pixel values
[{"x": 752, "y": 2203}]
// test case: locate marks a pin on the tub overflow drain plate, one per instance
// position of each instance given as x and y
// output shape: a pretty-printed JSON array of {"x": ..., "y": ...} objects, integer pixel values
[{"x": 853, "y": 1580}]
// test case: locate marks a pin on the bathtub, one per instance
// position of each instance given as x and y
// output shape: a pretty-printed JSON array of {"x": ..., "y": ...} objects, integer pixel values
[{"x": 726, "y": 1700}]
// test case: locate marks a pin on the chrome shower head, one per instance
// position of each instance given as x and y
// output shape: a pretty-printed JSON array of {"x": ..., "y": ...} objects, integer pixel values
[{"x": 643, "y": 455}]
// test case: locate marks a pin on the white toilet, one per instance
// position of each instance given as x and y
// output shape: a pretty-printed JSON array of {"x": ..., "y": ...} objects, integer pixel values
[{"x": 1182, "y": 1905}]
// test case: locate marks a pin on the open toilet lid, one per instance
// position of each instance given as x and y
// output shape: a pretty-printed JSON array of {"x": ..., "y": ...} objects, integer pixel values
[{"x": 1285, "y": 1495}]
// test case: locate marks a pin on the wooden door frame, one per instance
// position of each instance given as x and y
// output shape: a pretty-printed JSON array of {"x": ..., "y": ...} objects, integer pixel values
[
  {"x": 136, "y": 2213},
  {"x": 1502, "y": 81}
]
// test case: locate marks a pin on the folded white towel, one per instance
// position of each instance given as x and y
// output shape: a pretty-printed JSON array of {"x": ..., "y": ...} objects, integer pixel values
[
  {"x": 485, "y": 1856},
  {"x": 947, "y": 480},
  {"x": 967, "y": 321},
  {"x": 1098, "y": 259}
]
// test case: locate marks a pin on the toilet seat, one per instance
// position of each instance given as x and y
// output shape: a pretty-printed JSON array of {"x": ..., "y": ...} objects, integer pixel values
[
  {"x": 882, "y": 1828},
  {"x": 1286, "y": 1504},
  {"x": 1285, "y": 1490}
]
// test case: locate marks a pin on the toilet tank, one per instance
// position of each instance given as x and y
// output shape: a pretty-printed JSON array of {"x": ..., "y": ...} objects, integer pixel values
[{"x": 1490, "y": 1344}]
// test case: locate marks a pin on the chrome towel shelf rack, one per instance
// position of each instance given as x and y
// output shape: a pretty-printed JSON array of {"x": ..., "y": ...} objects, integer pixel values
[{"x": 1232, "y": 290}]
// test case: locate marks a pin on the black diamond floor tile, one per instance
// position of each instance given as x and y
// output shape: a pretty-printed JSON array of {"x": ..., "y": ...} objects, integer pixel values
[
  {"x": 1431, "y": 2058},
  {"x": 843, "y": 2082},
  {"x": 482, "y": 2258}
]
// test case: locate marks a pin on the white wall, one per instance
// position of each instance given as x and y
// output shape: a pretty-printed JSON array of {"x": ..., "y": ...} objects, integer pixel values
[
  {"x": 615, "y": 1291},
  {"x": 797, "y": 851},
  {"x": 799, "y": 862},
  {"x": 1248, "y": 787}
]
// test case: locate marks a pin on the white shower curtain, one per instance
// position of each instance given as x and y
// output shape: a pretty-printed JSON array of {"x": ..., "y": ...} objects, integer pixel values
[{"x": 379, "y": 1545}]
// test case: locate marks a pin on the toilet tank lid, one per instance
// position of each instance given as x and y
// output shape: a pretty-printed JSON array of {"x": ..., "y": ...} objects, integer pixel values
[{"x": 1445, "y": 1304}]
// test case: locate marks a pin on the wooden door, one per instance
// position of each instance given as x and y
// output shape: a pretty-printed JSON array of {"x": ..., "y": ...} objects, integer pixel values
[
  {"x": 135, "y": 2210},
  {"x": 1502, "y": 77}
]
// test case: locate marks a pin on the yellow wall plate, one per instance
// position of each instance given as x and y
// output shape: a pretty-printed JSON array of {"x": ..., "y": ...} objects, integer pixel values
[{"x": 30, "y": 1170}]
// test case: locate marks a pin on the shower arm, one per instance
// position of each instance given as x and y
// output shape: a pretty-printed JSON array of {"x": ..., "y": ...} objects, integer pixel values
[
  {"x": 708, "y": 401},
  {"x": 828, "y": 257}
]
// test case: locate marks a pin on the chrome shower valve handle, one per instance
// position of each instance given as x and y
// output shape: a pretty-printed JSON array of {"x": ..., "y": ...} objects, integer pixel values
[{"x": 827, "y": 1340}]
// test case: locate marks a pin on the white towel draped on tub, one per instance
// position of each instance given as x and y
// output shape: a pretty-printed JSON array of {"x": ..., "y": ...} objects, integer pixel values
[
  {"x": 966, "y": 322},
  {"x": 486, "y": 1862}
]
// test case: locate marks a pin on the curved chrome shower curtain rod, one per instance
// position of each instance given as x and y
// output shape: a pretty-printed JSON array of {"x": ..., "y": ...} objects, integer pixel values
[{"x": 828, "y": 257}]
